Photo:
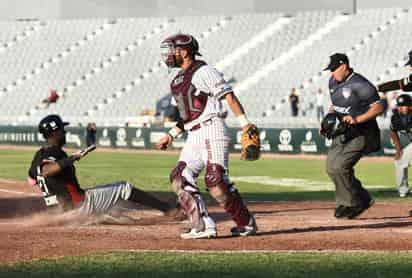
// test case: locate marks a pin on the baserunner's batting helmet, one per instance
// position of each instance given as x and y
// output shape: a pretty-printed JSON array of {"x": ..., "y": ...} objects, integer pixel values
[{"x": 51, "y": 123}]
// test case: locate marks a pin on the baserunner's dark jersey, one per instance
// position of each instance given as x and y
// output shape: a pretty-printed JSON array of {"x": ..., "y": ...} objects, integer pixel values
[
  {"x": 65, "y": 184},
  {"x": 353, "y": 96}
]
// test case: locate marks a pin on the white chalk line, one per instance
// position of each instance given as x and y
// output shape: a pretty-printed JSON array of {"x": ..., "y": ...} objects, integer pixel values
[
  {"x": 303, "y": 184},
  {"x": 8, "y": 181},
  {"x": 12, "y": 223},
  {"x": 19, "y": 192},
  {"x": 280, "y": 251}
]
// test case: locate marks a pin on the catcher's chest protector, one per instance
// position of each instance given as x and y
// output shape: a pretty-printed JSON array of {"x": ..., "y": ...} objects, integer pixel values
[{"x": 190, "y": 103}]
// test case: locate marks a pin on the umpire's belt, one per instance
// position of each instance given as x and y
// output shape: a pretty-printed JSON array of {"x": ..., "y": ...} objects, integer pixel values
[{"x": 199, "y": 125}]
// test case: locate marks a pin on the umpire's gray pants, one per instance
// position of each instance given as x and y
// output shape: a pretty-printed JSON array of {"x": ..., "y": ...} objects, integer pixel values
[
  {"x": 102, "y": 198},
  {"x": 339, "y": 166}
]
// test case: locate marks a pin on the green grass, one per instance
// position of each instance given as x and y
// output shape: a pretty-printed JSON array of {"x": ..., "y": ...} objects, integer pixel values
[
  {"x": 170, "y": 265},
  {"x": 150, "y": 172}
]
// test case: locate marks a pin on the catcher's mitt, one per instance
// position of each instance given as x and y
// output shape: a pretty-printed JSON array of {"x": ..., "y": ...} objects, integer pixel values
[{"x": 250, "y": 144}]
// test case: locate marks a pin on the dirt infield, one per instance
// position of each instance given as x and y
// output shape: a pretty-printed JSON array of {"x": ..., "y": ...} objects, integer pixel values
[{"x": 26, "y": 233}]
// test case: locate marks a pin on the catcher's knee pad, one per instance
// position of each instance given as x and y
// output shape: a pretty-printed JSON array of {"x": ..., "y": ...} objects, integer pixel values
[
  {"x": 176, "y": 173},
  {"x": 182, "y": 175},
  {"x": 217, "y": 182},
  {"x": 214, "y": 175}
]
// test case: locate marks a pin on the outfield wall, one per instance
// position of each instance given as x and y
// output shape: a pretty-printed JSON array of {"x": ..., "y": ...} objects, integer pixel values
[{"x": 274, "y": 140}]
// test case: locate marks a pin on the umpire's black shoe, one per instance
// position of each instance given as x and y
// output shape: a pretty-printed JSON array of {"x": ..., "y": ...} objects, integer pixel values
[
  {"x": 356, "y": 211},
  {"x": 343, "y": 211}
]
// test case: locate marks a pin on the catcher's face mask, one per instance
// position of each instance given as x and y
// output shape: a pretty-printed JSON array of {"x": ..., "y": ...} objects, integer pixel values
[{"x": 171, "y": 46}]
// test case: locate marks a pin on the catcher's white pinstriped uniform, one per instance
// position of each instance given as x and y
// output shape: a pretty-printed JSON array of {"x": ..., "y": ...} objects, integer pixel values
[{"x": 209, "y": 140}]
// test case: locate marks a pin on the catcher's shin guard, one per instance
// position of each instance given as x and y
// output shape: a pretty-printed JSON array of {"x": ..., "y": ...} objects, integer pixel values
[
  {"x": 189, "y": 198},
  {"x": 226, "y": 194}
]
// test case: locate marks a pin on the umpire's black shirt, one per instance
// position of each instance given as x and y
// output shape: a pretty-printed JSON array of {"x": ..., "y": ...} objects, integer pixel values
[
  {"x": 354, "y": 96},
  {"x": 64, "y": 185}
]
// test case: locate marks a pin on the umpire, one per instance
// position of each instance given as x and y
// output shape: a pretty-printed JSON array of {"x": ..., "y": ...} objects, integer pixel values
[{"x": 356, "y": 104}]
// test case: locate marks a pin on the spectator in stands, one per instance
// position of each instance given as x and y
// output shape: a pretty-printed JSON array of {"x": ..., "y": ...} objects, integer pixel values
[
  {"x": 320, "y": 97},
  {"x": 294, "y": 102},
  {"x": 52, "y": 98},
  {"x": 91, "y": 134}
]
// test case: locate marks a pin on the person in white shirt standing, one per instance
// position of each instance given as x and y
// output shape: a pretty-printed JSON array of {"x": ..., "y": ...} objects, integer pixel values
[
  {"x": 198, "y": 90},
  {"x": 320, "y": 97}
]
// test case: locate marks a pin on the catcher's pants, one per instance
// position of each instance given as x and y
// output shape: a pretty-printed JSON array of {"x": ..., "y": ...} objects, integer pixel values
[
  {"x": 102, "y": 198},
  {"x": 401, "y": 170},
  {"x": 208, "y": 144},
  {"x": 339, "y": 166}
]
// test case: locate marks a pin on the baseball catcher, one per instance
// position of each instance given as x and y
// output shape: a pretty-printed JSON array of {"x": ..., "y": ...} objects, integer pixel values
[
  {"x": 250, "y": 142},
  {"x": 54, "y": 171},
  {"x": 198, "y": 91}
]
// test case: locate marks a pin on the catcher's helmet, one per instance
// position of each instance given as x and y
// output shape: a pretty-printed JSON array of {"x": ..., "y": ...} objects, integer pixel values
[
  {"x": 169, "y": 45},
  {"x": 404, "y": 100},
  {"x": 51, "y": 123}
]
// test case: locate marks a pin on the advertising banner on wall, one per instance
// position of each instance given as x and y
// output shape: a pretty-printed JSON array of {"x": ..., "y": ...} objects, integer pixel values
[{"x": 273, "y": 140}]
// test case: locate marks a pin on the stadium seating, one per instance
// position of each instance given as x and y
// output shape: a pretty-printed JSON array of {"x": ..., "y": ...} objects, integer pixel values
[{"x": 109, "y": 70}]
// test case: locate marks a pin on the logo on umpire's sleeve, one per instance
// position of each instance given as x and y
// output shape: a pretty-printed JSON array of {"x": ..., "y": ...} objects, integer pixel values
[{"x": 346, "y": 92}]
